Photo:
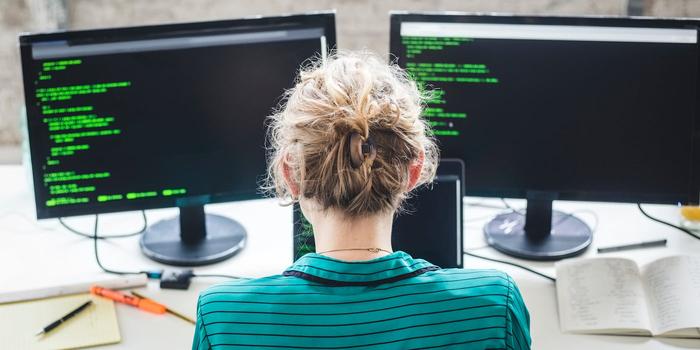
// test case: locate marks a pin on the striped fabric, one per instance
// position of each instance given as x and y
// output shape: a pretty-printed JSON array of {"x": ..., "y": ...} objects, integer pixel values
[{"x": 393, "y": 302}]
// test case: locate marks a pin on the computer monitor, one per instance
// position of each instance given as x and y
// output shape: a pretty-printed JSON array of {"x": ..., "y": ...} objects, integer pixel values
[
  {"x": 161, "y": 116},
  {"x": 547, "y": 108}
]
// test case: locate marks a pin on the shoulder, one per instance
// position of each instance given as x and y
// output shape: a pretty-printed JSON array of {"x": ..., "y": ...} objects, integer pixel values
[
  {"x": 223, "y": 301},
  {"x": 217, "y": 303},
  {"x": 486, "y": 287},
  {"x": 249, "y": 283},
  {"x": 478, "y": 281},
  {"x": 479, "y": 290},
  {"x": 244, "y": 289},
  {"x": 490, "y": 291}
]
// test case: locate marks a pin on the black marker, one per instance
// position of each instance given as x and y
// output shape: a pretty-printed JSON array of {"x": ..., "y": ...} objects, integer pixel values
[
  {"x": 64, "y": 318},
  {"x": 661, "y": 242}
]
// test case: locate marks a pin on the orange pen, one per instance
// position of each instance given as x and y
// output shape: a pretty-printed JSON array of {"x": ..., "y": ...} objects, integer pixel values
[{"x": 143, "y": 304}]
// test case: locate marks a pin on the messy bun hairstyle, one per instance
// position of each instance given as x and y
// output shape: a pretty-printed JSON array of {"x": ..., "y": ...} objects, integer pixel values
[{"x": 349, "y": 130}]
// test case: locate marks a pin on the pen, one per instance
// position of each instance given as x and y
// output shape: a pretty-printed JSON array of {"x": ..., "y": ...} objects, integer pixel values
[
  {"x": 168, "y": 310},
  {"x": 649, "y": 244},
  {"x": 65, "y": 318},
  {"x": 143, "y": 304}
]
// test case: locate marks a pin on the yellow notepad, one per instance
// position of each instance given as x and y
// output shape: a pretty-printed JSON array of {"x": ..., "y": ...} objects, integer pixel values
[{"x": 19, "y": 322}]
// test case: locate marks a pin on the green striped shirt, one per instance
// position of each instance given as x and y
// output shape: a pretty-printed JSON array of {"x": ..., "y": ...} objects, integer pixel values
[{"x": 393, "y": 302}]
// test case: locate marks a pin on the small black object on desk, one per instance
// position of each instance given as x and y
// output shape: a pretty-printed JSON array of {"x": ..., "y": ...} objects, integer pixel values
[
  {"x": 649, "y": 244},
  {"x": 176, "y": 279},
  {"x": 64, "y": 318}
]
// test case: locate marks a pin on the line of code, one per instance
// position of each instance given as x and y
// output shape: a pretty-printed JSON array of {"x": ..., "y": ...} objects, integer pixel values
[
  {"x": 73, "y": 126},
  {"x": 434, "y": 76}
]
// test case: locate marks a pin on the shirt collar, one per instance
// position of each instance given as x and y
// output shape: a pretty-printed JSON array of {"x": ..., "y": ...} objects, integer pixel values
[{"x": 327, "y": 270}]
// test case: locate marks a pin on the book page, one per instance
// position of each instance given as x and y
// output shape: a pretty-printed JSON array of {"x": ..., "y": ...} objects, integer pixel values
[
  {"x": 673, "y": 287},
  {"x": 97, "y": 324},
  {"x": 601, "y": 295}
]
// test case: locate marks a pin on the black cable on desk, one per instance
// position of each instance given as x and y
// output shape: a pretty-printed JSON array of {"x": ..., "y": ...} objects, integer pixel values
[
  {"x": 125, "y": 235},
  {"x": 566, "y": 215},
  {"x": 151, "y": 274},
  {"x": 507, "y": 205},
  {"x": 639, "y": 205},
  {"x": 95, "y": 237},
  {"x": 511, "y": 264}
]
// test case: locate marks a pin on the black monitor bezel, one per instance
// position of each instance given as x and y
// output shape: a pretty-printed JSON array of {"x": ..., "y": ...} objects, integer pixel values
[
  {"x": 692, "y": 196},
  {"x": 326, "y": 20}
]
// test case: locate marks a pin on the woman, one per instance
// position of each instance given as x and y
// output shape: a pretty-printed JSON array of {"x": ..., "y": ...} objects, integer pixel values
[{"x": 349, "y": 145}]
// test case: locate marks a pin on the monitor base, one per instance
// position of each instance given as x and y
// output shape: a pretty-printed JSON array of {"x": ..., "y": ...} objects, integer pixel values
[
  {"x": 568, "y": 237},
  {"x": 222, "y": 239}
]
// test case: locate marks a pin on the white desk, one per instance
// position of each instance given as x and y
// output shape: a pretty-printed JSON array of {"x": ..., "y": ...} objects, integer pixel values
[{"x": 31, "y": 250}]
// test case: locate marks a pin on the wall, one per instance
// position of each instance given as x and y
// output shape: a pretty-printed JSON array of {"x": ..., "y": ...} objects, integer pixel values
[
  {"x": 360, "y": 23},
  {"x": 18, "y": 16}
]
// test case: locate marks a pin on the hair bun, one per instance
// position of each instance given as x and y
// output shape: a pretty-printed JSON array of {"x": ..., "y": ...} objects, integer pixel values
[
  {"x": 359, "y": 149},
  {"x": 347, "y": 135}
]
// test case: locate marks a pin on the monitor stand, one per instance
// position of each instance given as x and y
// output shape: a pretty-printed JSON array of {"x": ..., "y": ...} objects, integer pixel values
[
  {"x": 193, "y": 238},
  {"x": 540, "y": 233}
]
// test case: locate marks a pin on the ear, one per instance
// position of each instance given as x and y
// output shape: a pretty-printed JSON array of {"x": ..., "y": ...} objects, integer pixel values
[
  {"x": 288, "y": 178},
  {"x": 414, "y": 171}
]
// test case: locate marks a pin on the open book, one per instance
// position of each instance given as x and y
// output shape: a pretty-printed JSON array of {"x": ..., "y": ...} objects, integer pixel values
[{"x": 616, "y": 296}]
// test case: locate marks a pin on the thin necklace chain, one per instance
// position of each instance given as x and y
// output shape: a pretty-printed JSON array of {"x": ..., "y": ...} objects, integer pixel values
[{"x": 371, "y": 250}]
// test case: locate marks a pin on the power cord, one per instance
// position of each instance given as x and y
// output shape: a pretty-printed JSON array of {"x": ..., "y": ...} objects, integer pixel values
[
  {"x": 150, "y": 274},
  {"x": 566, "y": 216},
  {"x": 511, "y": 264},
  {"x": 125, "y": 235},
  {"x": 553, "y": 279},
  {"x": 482, "y": 205},
  {"x": 639, "y": 205},
  {"x": 155, "y": 274},
  {"x": 507, "y": 205}
]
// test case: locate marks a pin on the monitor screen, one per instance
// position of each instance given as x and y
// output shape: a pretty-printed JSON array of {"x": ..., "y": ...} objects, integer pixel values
[
  {"x": 589, "y": 108},
  {"x": 158, "y": 116}
]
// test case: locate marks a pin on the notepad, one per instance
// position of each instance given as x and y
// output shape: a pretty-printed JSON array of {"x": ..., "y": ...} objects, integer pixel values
[
  {"x": 617, "y": 296},
  {"x": 96, "y": 325}
]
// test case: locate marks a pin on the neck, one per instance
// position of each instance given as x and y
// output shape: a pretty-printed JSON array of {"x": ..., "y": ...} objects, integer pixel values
[{"x": 348, "y": 239}]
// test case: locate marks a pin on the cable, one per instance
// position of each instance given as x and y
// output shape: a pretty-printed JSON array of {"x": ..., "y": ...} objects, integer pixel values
[
  {"x": 482, "y": 205},
  {"x": 125, "y": 235},
  {"x": 639, "y": 205},
  {"x": 509, "y": 207},
  {"x": 151, "y": 274},
  {"x": 488, "y": 206},
  {"x": 477, "y": 248},
  {"x": 566, "y": 216},
  {"x": 511, "y": 264},
  {"x": 97, "y": 256}
]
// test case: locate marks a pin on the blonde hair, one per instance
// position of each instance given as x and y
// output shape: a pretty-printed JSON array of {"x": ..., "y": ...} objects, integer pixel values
[{"x": 350, "y": 93}]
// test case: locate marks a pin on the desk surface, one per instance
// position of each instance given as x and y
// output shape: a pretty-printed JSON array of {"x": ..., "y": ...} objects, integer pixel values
[{"x": 32, "y": 250}]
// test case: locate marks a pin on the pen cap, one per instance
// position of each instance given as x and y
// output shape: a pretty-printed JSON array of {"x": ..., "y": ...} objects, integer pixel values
[{"x": 151, "y": 306}]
